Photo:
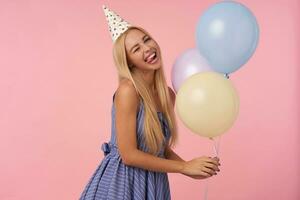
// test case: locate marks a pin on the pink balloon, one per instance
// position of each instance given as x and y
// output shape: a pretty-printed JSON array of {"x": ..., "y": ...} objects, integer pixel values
[{"x": 188, "y": 63}]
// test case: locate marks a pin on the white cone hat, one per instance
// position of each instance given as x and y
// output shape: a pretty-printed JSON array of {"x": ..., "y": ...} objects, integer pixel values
[{"x": 116, "y": 24}]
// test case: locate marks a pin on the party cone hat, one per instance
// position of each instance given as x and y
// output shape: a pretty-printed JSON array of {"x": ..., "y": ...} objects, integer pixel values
[{"x": 116, "y": 24}]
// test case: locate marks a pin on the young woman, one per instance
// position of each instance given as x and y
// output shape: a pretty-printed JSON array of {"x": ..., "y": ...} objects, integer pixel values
[{"x": 139, "y": 154}]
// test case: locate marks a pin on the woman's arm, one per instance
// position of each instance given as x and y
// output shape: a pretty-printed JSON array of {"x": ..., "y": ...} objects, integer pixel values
[
  {"x": 149, "y": 162},
  {"x": 171, "y": 155},
  {"x": 126, "y": 103}
]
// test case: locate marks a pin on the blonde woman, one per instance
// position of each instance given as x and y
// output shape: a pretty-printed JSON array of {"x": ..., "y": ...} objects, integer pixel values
[{"x": 139, "y": 154}]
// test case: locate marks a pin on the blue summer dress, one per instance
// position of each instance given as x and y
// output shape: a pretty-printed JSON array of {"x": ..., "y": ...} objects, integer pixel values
[{"x": 113, "y": 180}]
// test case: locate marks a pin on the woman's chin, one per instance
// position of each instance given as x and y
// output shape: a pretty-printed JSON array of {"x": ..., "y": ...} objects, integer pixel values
[{"x": 154, "y": 67}]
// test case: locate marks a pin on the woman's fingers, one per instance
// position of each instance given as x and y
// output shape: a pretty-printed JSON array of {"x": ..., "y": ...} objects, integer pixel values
[
  {"x": 209, "y": 171},
  {"x": 212, "y": 166},
  {"x": 206, "y": 174},
  {"x": 218, "y": 160},
  {"x": 211, "y": 160}
]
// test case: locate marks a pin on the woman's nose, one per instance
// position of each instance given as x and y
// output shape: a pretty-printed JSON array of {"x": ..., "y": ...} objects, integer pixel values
[{"x": 146, "y": 47}]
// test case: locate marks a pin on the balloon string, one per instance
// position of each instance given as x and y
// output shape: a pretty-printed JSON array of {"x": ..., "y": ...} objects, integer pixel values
[
  {"x": 205, "y": 190},
  {"x": 217, "y": 146},
  {"x": 216, "y": 149}
]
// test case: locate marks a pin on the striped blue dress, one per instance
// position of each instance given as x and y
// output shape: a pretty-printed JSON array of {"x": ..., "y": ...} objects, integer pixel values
[{"x": 113, "y": 180}]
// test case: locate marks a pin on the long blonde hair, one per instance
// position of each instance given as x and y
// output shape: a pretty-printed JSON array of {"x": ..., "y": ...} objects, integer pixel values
[{"x": 152, "y": 128}]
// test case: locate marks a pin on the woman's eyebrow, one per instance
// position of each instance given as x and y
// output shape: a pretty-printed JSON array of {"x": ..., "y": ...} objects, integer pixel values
[{"x": 137, "y": 43}]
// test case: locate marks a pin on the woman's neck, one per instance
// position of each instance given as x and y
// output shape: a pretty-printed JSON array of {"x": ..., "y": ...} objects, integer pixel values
[{"x": 148, "y": 77}]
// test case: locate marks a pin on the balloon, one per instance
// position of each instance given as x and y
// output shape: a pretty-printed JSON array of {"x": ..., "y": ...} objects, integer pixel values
[
  {"x": 188, "y": 63},
  {"x": 227, "y": 35},
  {"x": 207, "y": 103}
]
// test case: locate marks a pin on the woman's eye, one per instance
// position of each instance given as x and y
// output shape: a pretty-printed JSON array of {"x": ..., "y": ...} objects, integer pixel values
[
  {"x": 137, "y": 49},
  {"x": 147, "y": 39}
]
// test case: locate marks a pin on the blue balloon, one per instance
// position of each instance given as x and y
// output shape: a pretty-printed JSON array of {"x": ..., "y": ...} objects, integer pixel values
[{"x": 227, "y": 35}]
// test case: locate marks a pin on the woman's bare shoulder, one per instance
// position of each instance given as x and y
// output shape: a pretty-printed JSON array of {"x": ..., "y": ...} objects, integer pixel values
[{"x": 126, "y": 97}]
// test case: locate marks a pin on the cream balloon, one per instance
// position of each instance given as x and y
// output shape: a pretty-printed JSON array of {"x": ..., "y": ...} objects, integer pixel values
[{"x": 207, "y": 103}]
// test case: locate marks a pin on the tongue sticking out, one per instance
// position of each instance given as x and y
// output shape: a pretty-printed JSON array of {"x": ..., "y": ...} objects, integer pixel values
[{"x": 151, "y": 58}]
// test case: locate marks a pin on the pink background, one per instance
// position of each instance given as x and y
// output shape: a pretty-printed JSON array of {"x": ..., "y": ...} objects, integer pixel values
[{"x": 57, "y": 79}]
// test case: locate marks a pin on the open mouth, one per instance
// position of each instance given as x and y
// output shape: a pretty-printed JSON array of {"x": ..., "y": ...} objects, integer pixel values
[{"x": 152, "y": 58}]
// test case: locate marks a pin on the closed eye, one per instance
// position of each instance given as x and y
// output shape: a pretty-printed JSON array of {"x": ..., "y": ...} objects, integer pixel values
[
  {"x": 144, "y": 41},
  {"x": 136, "y": 49}
]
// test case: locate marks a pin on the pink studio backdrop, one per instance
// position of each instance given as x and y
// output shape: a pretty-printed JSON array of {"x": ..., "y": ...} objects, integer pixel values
[{"x": 58, "y": 77}]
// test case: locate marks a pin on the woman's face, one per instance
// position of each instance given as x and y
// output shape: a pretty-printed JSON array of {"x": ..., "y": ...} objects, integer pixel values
[{"x": 142, "y": 51}]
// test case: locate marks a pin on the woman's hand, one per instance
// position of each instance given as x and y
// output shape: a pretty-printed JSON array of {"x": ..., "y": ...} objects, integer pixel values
[{"x": 201, "y": 167}]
